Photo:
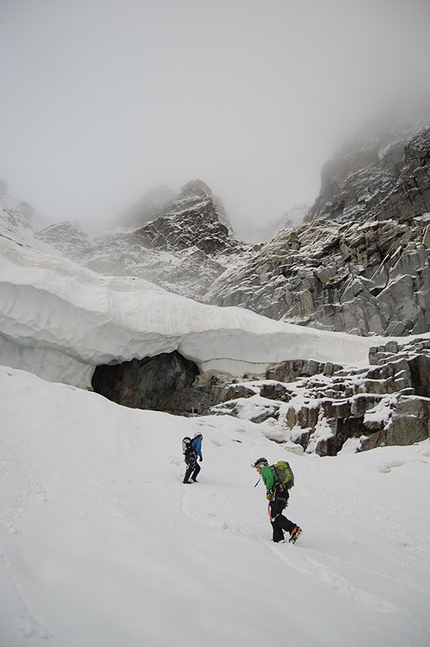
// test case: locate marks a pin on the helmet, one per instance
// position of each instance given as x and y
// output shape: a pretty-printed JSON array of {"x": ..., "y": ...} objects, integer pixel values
[
  {"x": 198, "y": 434},
  {"x": 259, "y": 462}
]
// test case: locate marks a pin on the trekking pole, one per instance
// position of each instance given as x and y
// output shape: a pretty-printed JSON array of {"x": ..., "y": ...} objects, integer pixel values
[{"x": 257, "y": 482}]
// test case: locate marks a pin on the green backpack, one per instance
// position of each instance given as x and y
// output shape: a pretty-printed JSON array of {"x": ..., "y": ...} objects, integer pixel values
[{"x": 284, "y": 473}]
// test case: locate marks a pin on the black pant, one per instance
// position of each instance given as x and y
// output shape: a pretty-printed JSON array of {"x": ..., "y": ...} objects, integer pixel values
[
  {"x": 279, "y": 522},
  {"x": 193, "y": 468}
]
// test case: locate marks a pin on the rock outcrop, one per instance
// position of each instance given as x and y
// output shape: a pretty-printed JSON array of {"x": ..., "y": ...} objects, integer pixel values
[
  {"x": 361, "y": 278},
  {"x": 194, "y": 219},
  {"x": 322, "y": 406}
]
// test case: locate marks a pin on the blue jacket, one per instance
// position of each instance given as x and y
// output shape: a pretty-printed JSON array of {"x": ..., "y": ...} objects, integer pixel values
[{"x": 196, "y": 445}]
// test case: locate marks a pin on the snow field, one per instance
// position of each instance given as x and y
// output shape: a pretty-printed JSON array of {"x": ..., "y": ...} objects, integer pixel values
[{"x": 102, "y": 545}]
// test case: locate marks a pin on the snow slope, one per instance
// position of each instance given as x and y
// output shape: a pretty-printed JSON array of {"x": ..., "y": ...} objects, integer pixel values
[{"x": 101, "y": 545}]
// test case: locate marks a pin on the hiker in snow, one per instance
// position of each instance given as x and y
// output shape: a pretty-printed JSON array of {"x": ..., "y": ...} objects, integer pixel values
[
  {"x": 192, "y": 456},
  {"x": 277, "y": 494}
]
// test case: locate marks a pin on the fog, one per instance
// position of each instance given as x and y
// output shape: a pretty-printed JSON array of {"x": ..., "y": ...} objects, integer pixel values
[{"x": 103, "y": 100}]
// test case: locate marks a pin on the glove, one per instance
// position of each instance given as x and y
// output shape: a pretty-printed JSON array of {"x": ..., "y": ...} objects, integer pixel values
[
  {"x": 269, "y": 496},
  {"x": 201, "y": 458}
]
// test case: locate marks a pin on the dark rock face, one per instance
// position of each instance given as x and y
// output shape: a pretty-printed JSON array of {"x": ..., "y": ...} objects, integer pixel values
[
  {"x": 420, "y": 375},
  {"x": 291, "y": 370},
  {"x": 166, "y": 382},
  {"x": 150, "y": 383},
  {"x": 409, "y": 424},
  {"x": 192, "y": 220}
]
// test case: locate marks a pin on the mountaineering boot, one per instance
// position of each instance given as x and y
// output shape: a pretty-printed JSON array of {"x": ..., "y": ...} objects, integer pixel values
[
  {"x": 294, "y": 534},
  {"x": 187, "y": 482}
]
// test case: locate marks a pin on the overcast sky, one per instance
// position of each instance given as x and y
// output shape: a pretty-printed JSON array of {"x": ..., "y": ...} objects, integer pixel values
[{"x": 102, "y": 100}]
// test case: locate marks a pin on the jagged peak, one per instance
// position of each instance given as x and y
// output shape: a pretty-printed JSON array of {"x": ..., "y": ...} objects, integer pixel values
[
  {"x": 193, "y": 194},
  {"x": 163, "y": 202},
  {"x": 196, "y": 187}
]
